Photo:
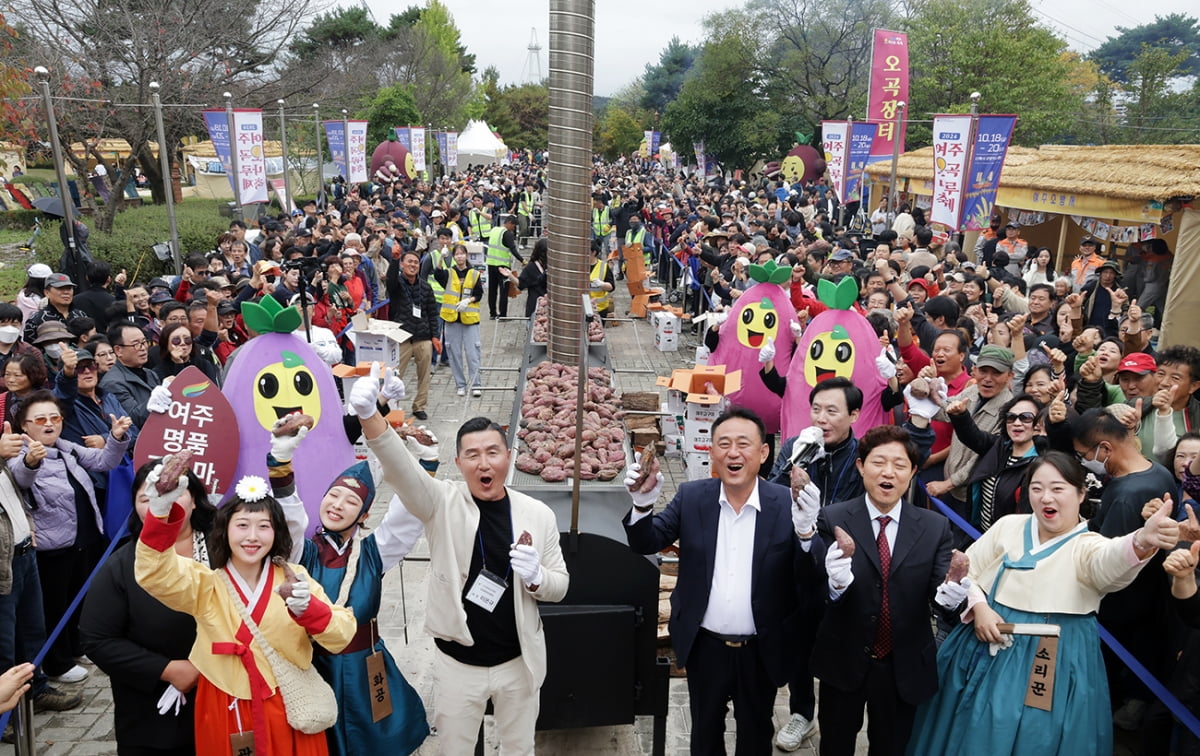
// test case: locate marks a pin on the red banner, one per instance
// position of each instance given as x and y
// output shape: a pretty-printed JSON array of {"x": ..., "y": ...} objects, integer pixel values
[{"x": 889, "y": 87}]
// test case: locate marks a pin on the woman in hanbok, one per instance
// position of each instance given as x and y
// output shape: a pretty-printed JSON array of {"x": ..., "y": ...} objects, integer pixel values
[{"x": 1046, "y": 569}]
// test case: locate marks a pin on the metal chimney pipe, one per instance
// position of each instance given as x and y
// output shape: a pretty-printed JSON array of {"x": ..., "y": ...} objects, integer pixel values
[{"x": 569, "y": 183}]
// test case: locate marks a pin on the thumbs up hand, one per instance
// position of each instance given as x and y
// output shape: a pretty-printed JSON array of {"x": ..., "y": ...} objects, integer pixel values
[
  {"x": 1181, "y": 566},
  {"x": 10, "y": 443},
  {"x": 1161, "y": 531}
]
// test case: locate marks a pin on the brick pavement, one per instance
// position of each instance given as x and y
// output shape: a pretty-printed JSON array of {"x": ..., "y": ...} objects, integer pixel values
[{"x": 636, "y": 363}]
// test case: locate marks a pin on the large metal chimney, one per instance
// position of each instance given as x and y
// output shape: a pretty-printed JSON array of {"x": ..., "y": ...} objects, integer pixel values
[{"x": 568, "y": 204}]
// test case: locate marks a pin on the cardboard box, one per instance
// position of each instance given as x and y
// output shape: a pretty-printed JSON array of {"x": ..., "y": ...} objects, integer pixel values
[
  {"x": 476, "y": 254},
  {"x": 697, "y": 435},
  {"x": 666, "y": 330},
  {"x": 702, "y": 355},
  {"x": 666, "y": 342},
  {"x": 377, "y": 340},
  {"x": 697, "y": 465}
]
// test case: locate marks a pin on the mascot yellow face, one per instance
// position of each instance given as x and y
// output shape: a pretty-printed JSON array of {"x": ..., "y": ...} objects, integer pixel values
[
  {"x": 757, "y": 323},
  {"x": 284, "y": 387},
  {"x": 831, "y": 355}
]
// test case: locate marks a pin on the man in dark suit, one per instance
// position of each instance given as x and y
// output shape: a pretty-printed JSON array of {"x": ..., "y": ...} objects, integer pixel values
[
  {"x": 875, "y": 645},
  {"x": 734, "y": 608}
]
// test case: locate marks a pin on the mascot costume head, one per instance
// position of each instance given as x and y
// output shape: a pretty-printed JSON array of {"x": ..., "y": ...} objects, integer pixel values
[
  {"x": 762, "y": 312},
  {"x": 838, "y": 343}
]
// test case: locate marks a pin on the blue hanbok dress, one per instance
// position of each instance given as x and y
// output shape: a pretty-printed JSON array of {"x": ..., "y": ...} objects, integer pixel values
[
  {"x": 402, "y": 731},
  {"x": 979, "y": 708}
]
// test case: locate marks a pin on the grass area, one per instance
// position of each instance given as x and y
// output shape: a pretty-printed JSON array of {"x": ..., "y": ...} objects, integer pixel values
[
  {"x": 14, "y": 236},
  {"x": 12, "y": 277}
]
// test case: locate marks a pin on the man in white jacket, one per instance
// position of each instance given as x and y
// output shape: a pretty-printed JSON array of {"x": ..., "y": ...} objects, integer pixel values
[{"x": 494, "y": 553}]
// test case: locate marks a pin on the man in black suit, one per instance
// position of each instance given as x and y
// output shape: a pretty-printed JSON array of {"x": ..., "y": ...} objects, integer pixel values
[
  {"x": 734, "y": 609},
  {"x": 875, "y": 644}
]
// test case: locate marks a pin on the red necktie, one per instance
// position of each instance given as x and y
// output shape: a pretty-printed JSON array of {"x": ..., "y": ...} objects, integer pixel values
[{"x": 883, "y": 633}]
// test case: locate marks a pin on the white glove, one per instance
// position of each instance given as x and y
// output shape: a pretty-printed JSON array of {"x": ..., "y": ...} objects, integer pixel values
[
  {"x": 160, "y": 504},
  {"x": 837, "y": 568},
  {"x": 421, "y": 451},
  {"x": 527, "y": 563},
  {"x": 642, "y": 499},
  {"x": 172, "y": 698},
  {"x": 463, "y": 304},
  {"x": 719, "y": 318},
  {"x": 951, "y": 595},
  {"x": 595, "y": 283},
  {"x": 160, "y": 400},
  {"x": 767, "y": 352},
  {"x": 283, "y": 448},
  {"x": 393, "y": 388},
  {"x": 805, "y": 509},
  {"x": 797, "y": 331},
  {"x": 885, "y": 366},
  {"x": 301, "y": 595},
  {"x": 364, "y": 396},
  {"x": 925, "y": 408},
  {"x": 1005, "y": 643}
]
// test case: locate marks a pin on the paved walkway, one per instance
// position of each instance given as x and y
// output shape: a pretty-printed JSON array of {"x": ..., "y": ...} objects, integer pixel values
[{"x": 88, "y": 730}]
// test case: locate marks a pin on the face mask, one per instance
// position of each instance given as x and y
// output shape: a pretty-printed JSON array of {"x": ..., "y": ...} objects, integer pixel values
[
  {"x": 9, "y": 334},
  {"x": 54, "y": 351},
  {"x": 1094, "y": 466}
]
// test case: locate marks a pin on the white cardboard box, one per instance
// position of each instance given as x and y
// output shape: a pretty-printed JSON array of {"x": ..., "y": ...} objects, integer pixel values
[
  {"x": 377, "y": 340},
  {"x": 697, "y": 465}
]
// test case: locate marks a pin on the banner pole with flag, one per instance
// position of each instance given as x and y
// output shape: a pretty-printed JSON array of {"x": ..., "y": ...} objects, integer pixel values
[
  {"x": 320, "y": 160},
  {"x": 896, "y": 140},
  {"x": 285, "y": 205},
  {"x": 233, "y": 157}
]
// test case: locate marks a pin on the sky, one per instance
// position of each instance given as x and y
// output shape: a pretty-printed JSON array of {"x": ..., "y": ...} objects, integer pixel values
[{"x": 632, "y": 33}]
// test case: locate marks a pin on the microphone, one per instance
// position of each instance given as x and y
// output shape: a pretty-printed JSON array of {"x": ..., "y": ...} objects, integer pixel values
[{"x": 809, "y": 445}]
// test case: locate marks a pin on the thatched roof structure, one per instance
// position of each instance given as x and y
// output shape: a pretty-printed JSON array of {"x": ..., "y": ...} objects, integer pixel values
[
  {"x": 205, "y": 149},
  {"x": 1144, "y": 173}
]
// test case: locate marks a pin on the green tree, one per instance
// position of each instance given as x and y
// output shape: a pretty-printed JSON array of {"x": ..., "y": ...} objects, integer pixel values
[
  {"x": 620, "y": 133},
  {"x": 391, "y": 107},
  {"x": 1017, "y": 67},
  {"x": 1176, "y": 33},
  {"x": 336, "y": 31},
  {"x": 663, "y": 80},
  {"x": 526, "y": 115},
  {"x": 1155, "y": 107}
]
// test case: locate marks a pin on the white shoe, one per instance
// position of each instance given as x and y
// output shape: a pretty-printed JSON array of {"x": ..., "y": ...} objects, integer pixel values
[
  {"x": 792, "y": 734},
  {"x": 75, "y": 674},
  {"x": 461, "y": 392},
  {"x": 476, "y": 393}
]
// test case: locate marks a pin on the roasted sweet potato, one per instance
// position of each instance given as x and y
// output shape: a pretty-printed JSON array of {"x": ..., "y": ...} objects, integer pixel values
[
  {"x": 173, "y": 466},
  {"x": 844, "y": 541},
  {"x": 292, "y": 424},
  {"x": 647, "y": 477},
  {"x": 960, "y": 564},
  {"x": 290, "y": 577},
  {"x": 526, "y": 538}
]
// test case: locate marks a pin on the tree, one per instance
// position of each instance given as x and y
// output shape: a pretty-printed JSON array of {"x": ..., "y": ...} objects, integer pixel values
[
  {"x": 1154, "y": 105},
  {"x": 1017, "y": 67},
  {"x": 620, "y": 133},
  {"x": 16, "y": 123},
  {"x": 524, "y": 111},
  {"x": 391, "y": 107},
  {"x": 1176, "y": 33},
  {"x": 663, "y": 80}
]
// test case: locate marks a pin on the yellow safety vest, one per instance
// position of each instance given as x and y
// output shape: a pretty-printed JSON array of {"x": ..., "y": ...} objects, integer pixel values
[
  {"x": 437, "y": 263},
  {"x": 525, "y": 207},
  {"x": 481, "y": 224},
  {"x": 456, "y": 289},
  {"x": 640, "y": 238},
  {"x": 601, "y": 299},
  {"x": 497, "y": 253},
  {"x": 600, "y": 222}
]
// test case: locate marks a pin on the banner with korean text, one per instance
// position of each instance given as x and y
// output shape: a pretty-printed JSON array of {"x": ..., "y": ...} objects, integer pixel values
[
  {"x": 834, "y": 138},
  {"x": 951, "y": 148},
  {"x": 862, "y": 136},
  {"x": 357, "y": 150},
  {"x": 992, "y": 135},
  {"x": 452, "y": 149},
  {"x": 418, "y": 147},
  {"x": 404, "y": 137},
  {"x": 251, "y": 182},
  {"x": 888, "y": 88},
  {"x": 335, "y": 132},
  {"x": 701, "y": 167},
  {"x": 439, "y": 138}
]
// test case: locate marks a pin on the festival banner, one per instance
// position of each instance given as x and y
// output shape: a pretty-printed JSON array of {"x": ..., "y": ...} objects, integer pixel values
[
  {"x": 834, "y": 138},
  {"x": 992, "y": 135},
  {"x": 452, "y": 149},
  {"x": 888, "y": 88},
  {"x": 417, "y": 135},
  {"x": 951, "y": 147},
  {"x": 218, "y": 132},
  {"x": 404, "y": 137},
  {"x": 862, "y": 136},
  {"x": 701, "y": 167},
  {"x": 358, "y": 151},
  {"x": 252, "y": 159},
  {"x": 281, "y": 194},
  {"x": 655, "y": 142},
  {"x": 439, "y": 138},
  {"x": 335, "y": 132}
]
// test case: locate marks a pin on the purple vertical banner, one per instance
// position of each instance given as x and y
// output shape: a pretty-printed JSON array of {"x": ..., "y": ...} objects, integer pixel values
[
  {"x": 404, "y": 136},
  {"x": 335, "y": 132},
  {"x": 992, "y": 135},
  {"x": 655, "y": 142},
  {"x": 862, "y": 136},
  {"x": 218, "y": 131},
  {"x": 440, "y": 138}
]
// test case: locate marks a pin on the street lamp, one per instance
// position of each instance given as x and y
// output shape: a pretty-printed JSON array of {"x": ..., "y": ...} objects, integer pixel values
[
  {"x": 233, "y": 155},
  {"x": 43, "y": 76},
  {"x": 168, "y": 185}
]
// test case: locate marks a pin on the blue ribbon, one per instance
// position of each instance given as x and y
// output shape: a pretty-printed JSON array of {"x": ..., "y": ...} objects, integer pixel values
[
  {"x": 346, "y": 330},
  {"x": 1173, "y": 704}
]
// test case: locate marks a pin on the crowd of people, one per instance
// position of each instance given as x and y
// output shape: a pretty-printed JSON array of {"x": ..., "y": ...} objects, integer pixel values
[{"x": 1034, "y": 405}]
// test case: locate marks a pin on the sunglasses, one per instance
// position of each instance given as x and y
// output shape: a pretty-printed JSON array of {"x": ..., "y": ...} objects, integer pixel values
[
  {"x": 181, "y": 341},
  {"x": 1024, "y": 417},
  {"x": 88, "y": 368},
  {"x": 46, "y": 419}
]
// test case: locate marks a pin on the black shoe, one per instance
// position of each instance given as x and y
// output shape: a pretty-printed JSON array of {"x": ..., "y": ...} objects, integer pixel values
[
  {"x": 420, "y": 415},
  {"x": 53, "y": 699}
]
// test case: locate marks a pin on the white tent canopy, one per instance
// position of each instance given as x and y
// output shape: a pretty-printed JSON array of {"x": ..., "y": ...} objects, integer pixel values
[{"x": 477, "y": 145}]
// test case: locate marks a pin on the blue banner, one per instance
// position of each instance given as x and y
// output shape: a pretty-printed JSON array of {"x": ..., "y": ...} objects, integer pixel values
[
  {"x": 404, "y": 136},
  {"x": 655, "y": 141},
  {"x": 862, "y": 136},
  {"x": 992, "y": 135},
  {"x": 440, "y": 138},
  {"x": 335, "y": 132},
  {"x": 218, "y": 131}
]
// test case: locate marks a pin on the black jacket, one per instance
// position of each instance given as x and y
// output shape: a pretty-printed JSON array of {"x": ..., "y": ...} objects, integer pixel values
[
  {"x": 131, "y": 636},
  {"x": 403, "y": 296},
  {"x": 994, "y": 450}
]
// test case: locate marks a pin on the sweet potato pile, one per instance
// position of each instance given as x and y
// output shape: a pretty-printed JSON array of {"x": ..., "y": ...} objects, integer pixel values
[
  {"x": 541, "y": 324},
  {"x": 548, "y": 425}
]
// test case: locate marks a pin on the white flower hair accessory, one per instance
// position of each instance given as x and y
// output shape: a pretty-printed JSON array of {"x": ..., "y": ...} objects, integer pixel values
[{"x": 251, "y": 488}]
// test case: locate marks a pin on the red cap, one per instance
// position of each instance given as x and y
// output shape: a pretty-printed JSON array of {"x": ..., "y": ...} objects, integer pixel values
[{"x": 1137, "y": 362}]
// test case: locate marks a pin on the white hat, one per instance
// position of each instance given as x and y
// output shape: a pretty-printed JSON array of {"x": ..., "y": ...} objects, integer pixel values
[{"x": 39, "y": 270}]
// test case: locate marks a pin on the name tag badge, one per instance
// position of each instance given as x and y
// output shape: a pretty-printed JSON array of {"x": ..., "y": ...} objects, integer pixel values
[
  {"x": 416, "y": 311},
  {"x": 487, "y": 590}
]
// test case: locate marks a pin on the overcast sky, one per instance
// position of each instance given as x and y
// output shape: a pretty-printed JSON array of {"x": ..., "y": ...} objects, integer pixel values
[{"x": 632, "y": 33}]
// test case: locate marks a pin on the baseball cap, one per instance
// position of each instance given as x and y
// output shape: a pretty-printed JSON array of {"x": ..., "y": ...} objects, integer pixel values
[
  {"x": 39, "y": 270},
  {"x": 842, "y": 255},
  {"x": 1012, "y": 224},
  {"x": 84, "y": 355},
  {"x": 58, "y": 281},
  {"x": 158, "y": 283},
  {"x": 225, "y": 307},
  {"x": 159, "y": 297},
  {"x": 220, "y": 281},
  {"x": 1139, "y": 363},
  {"x": 995, "y": 357},
  {"x": 1089, "y": 241},
  {"x": 267, "y": 268}
]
